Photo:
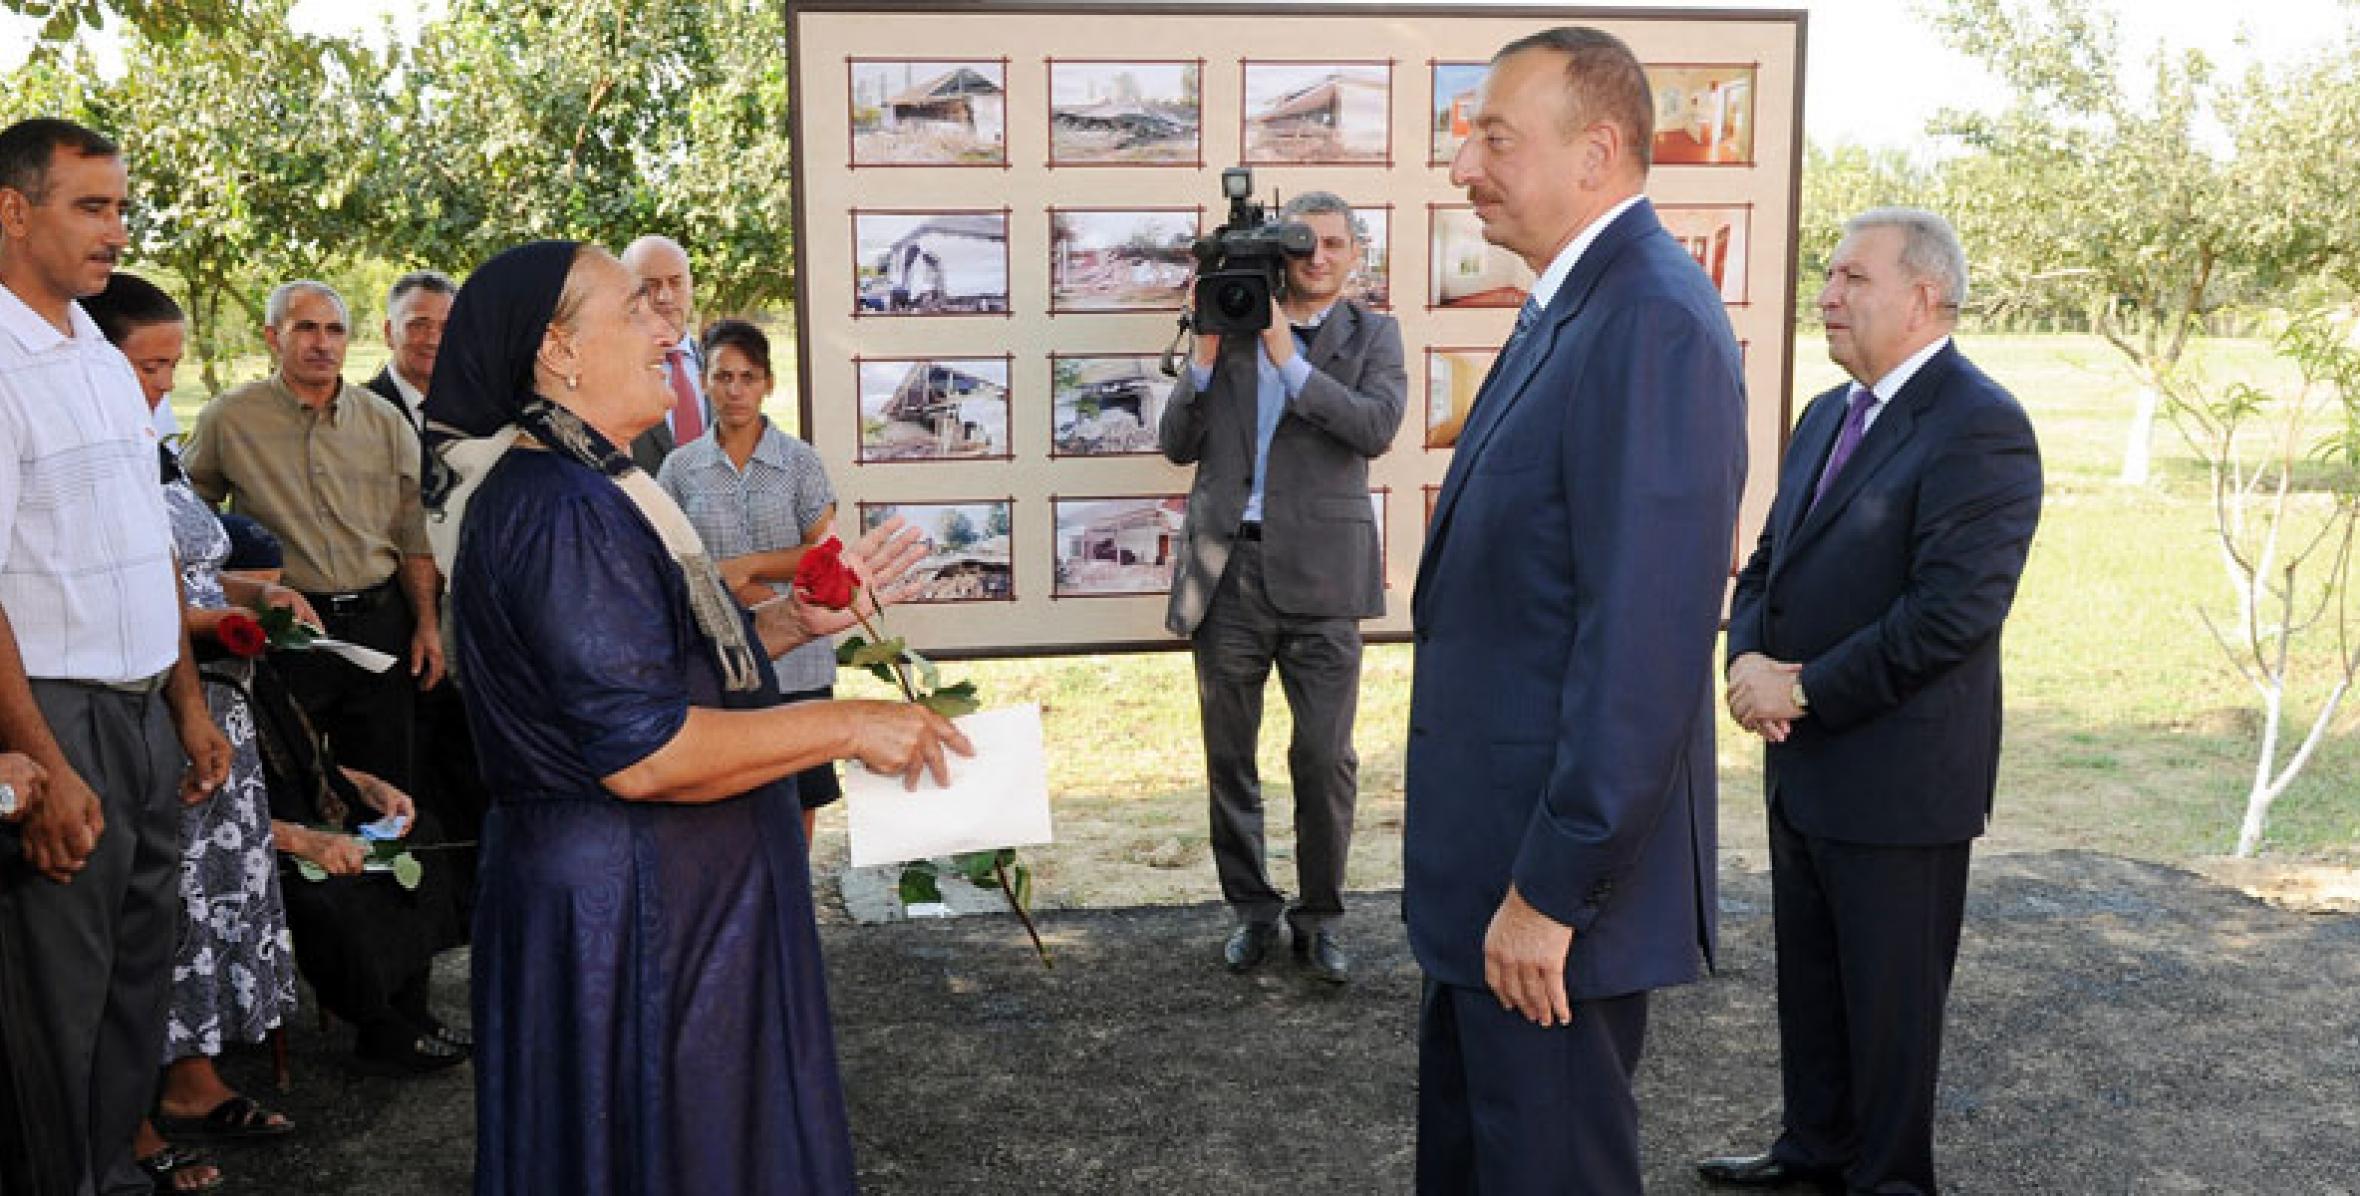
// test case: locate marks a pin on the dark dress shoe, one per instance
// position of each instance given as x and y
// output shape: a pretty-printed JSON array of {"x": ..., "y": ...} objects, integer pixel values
[
  {"x": 448, "y": 1034},
  {"x": 1320, "y": 952},
  {"x": 1760, "y": 1171},
  {"x": 420, "y": 1055},
  {"x": 1248, "y": 944}
]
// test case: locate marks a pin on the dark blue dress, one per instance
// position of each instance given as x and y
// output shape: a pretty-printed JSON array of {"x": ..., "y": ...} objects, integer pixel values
[{"x": 650, "y": 1006}]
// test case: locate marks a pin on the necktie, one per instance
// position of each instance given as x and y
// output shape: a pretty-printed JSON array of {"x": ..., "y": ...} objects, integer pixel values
[
  {"x": 1847, "y": 440},
  {"x": 1526, "y": 316},
  {"x": 688, "y": 418}
]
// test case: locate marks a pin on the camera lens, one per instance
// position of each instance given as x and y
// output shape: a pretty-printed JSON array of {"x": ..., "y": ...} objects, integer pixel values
[{"x": 1234, "y": 300}]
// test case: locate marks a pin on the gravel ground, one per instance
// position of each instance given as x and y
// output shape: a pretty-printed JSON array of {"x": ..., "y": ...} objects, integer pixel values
[{"x": 2116, "y": 1027}]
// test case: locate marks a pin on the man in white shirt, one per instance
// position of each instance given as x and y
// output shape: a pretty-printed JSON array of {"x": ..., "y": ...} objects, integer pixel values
[
  {"x": 662, "y": 267},
  {"x": 96, "y": 681}
]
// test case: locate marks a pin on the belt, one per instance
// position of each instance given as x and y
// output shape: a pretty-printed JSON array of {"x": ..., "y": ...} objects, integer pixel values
[
  {"x": 350, "y": 603},
  {"x": 1249, "y": 531},
  {"x": 138, "y": 687}
]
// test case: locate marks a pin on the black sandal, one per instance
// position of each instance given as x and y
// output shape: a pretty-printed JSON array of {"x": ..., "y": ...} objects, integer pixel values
[
  {"x": 238, "y": 1117},
  {"x": 163, "y": 1168}
]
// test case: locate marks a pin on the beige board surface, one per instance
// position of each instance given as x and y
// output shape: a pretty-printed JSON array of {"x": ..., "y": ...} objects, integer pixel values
[{"x": 1021, "y": 49}]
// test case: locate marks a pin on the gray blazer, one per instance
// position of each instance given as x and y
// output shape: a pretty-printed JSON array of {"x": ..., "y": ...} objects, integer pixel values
[{"x": 1323, "y": 555}]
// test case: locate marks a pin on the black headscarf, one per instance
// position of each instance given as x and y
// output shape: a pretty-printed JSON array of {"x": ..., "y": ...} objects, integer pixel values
[
  {"x": 483, "y": 382},
  {"x": 483, "y": 374}
]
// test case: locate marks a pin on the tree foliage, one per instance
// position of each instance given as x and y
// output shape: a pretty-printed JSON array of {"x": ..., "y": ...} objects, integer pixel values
[
  {"x": 247, "y": 166},
  {"x": 599, "y": 123},
  {"x": 163, "y": 20},
  {"x": 258, "y": 154},
  {"x": 2114, "y": 191}
]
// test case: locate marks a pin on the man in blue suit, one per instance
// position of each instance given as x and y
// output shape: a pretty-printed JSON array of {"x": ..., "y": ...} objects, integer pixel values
[
  {"x": 1864, "y": 648},
  {"x": 1560, "y": 839}
]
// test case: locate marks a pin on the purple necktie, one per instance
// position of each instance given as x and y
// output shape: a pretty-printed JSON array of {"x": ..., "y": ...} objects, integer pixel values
[{"x": 1864, "y": 400}]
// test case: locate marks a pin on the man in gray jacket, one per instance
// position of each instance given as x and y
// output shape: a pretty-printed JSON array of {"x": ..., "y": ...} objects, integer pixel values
[{"x": 1283, "y": 556}]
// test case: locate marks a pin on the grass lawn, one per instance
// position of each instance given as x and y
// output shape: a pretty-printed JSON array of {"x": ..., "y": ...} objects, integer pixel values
[{"x": 2127, "y": 731}]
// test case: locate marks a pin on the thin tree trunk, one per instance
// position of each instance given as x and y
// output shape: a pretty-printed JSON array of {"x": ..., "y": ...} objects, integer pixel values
[{"x": 2136, "y": 454}]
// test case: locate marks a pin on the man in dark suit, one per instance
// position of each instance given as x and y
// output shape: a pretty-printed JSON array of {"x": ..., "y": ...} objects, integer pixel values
[
  {"x": 1559, "y": 851},
  {"x": 1282, "y": 558},
  {"x": 416, "y": 308},
  {"x": 661, "y": 266},
  {"x": 1864, "y": 647}
]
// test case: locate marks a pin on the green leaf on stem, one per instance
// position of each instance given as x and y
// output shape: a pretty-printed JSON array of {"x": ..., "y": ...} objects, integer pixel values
[
  {"x": 951, "y": 701},
  {"x": 929, "y": 676},
  {"x": 310, "y": 871},
  {"x": 407, "y": 871},
  {"x": 977, "y": 866},
  {"x": 918, "y": 884},
  {"x": 1023, "y": 881}
]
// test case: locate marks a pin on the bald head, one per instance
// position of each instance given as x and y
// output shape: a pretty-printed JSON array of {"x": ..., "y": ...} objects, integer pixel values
[{"x": 662, "y": 267}]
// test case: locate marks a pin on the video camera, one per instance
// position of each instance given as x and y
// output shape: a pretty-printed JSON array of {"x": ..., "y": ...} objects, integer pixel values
[{"x": 1243, "y": 265}]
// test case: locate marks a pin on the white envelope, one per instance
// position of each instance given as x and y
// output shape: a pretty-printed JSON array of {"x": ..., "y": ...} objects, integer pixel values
[
  {"x": 359, "y": 654},
  {"x": 998, "y": 797}
]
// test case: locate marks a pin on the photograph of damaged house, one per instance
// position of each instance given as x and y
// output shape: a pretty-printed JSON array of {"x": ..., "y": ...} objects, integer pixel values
[
  {"x": 930, "y": 263},
  {"x": 1125, "y": 113},
  {"x": 934, "y": 409},
  {"x": 1318, "y": 113},
  {"x": 1105, "y": 405},
  {"x": 968, "y": 557},
  {"x": 1112, "y": 546},
  {"x": 929, "y": 112},
  {"x": 1127, "y": 259}
]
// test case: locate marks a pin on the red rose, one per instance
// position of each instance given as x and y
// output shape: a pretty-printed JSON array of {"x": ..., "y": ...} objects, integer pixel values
[
  {"x": 241, "y": 635},
  {"x": 823, "y": 578}
]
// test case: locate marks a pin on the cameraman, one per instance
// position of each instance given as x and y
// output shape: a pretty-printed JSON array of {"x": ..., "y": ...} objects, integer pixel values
[{"x": 1282, "y": 559}]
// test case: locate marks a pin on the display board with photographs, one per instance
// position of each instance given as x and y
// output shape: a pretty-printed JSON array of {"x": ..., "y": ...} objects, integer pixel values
[{"x": 1049, "y": 166}]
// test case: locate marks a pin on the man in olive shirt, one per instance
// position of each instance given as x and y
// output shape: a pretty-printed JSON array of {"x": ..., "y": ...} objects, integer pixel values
[{"x": 333, "y": 470}]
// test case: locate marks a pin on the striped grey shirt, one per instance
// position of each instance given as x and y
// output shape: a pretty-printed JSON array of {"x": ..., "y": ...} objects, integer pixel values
[{"x": 773, "y": 504}]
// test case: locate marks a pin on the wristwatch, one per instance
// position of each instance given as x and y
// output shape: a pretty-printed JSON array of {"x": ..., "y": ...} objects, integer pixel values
[
  {"x": 1802, "y": 700},
  {"x": 8, "y": 800}
]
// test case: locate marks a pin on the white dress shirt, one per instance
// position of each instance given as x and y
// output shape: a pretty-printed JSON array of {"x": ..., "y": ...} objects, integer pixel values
[
  {"x": 1544, "y": 288},
  {"x": 86, "y": 572},
  {"x": 1895, "y": 379}
]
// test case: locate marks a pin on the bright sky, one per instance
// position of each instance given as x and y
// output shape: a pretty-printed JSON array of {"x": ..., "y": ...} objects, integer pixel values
[{"x": 1876, "y": 70}]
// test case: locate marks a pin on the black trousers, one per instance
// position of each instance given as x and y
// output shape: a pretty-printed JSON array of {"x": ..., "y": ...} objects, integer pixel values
[
  {"x": 369, "y": 718},
  {"x": 1508, "y": 1108},
  {"x": 98, "y": 949},
  {"x": 1318, "y": 661},
  {"x": 450, "y": 785},
  {"x": 1867, "y": 937},
  {"x": 367, "y": 945}
]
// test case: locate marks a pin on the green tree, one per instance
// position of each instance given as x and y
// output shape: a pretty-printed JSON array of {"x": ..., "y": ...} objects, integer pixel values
[
  {"x": 62, "y": 20},
  {"x": 2286, "y": 518},
  {"x": 599, "y": 123},
  {"x": 2090, "y": 187},
  {"x": 248, "y": 147},
  {"x": 1839, "y": 183}
]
